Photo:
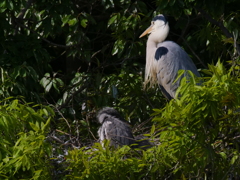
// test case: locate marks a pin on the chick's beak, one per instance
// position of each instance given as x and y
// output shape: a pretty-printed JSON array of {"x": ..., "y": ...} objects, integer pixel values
[{"x": 147, "y": 31}]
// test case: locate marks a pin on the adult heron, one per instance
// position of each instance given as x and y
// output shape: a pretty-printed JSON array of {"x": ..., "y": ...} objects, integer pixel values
[{"x": 164, "y": 58}]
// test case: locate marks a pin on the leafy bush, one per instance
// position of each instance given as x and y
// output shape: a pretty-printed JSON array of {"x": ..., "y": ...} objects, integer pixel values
[
  {"x": 200, "y": 130},
  {"x": 108, "y": 163},
  {"x": 24, "y": 151},
  {"x": 198, "y": 136},
  {"x": 78, "y": 56}
]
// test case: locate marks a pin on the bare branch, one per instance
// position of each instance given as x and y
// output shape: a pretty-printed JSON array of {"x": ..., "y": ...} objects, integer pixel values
[
  {"x": 22, "y": 13},
  {"x": 54, "y": 44},
  {"x": 220, "y": 25},
  {"x": 72, "y": 95},
  {"x": 57, "y": 45},
  {"x": 192, "y": 51}
]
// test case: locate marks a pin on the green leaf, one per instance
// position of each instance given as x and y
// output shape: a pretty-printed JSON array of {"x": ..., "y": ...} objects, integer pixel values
[
  {"x": 65, "y": 20},
  {"x": 234, "y": 158},
  {"x": 152, "y": 130},
  {"x": 112, "y": 20},
  {"x": 48, "y": 86},
  {"x": 34, "y": 127},
  {"x": 224, "y": 156},
  {"x": 46, "y": 124},
  {"x": 9, "y": 5},
  {"x": 3, "y": 4},
  {"x": 84, "y": 23},
  {"x": 73, "y": 21}
]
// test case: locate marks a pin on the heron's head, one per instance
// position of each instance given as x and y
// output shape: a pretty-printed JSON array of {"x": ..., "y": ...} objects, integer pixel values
[
  {"x": 158, "y": 29},
  {"x": 108, "y": 112}
]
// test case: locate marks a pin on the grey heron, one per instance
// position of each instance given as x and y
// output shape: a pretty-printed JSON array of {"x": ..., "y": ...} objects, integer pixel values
[
  {"x": 114, "y": 128},
  {"x": 117, "y": 130},
  {"x": 164, "y": 58}
]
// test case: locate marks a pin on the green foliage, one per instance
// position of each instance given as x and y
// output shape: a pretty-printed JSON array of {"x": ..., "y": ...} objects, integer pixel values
[
  {"x": 47, "y": 44},
  {"x": 24, "y": 152},
  {"x": 200, "y": 130},
  {"x": 78, "y": 56},
  {"x": 122, "y": 163},
  {"x": 198, "y": 135}
]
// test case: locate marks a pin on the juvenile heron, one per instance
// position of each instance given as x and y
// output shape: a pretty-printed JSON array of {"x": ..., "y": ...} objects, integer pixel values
[
  {"x": 117, "y": 130},
  {"x": 164, "y": 58},
  {"x": 114, "y": 128}
]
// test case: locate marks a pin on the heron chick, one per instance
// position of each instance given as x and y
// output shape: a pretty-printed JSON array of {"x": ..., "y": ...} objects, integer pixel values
[
  {"x": 118, "y": 131},
  {"x": 114, "y": 128}
]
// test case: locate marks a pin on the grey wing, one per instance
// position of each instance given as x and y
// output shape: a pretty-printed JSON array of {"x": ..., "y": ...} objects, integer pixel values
[
  {"x": 165, "y": 93},
  {"x": 171, "y": 58},
  {"x": 119, "y": 133}
]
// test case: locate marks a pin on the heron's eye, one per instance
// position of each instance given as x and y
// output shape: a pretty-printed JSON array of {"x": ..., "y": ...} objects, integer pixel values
[{"x": 152, "y": 22}]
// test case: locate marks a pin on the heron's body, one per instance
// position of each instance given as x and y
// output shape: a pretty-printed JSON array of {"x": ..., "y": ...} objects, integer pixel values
[
  {"x": 164, "y": 58},
  {"x": 169, "y": 59},
  {"x": 114, "y": 128},
  {"x": 117, "y": 130}
]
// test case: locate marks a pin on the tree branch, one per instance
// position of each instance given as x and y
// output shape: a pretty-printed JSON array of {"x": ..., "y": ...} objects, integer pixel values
[
  {"x": 192, "y": 51},
  {"x": 84, "y": 86},
  {"x": 44, "y": 39},
  {"x": 221, "y": 26},
  {"x": 23, "y": 11}
]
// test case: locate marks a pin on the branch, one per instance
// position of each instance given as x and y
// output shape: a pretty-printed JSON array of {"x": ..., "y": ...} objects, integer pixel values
[
  {"x": 195, "y": 53},
  {"x": 84, "y": 86},
  {"x": 22, "y": 13},
  {"x": 57, "y": 45},
  {"x": 18, "y": 23},
  {"x": 221, "y": 26},
  {"x": 44, "y": 39},
  {"x": 192, "y": 51}
]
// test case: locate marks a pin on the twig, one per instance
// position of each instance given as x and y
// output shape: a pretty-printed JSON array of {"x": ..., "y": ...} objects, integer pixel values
[
  {"x": 64, "y": 119},
  {"x": 135, "y": 129},
  {"x": 57, "y": 45},
  {"x": 20, "y": 19},
  {"x": 23, "y": 11},
  {"x": 56, "y": 139},
  {"x": 62, "y": 132},
  {"x": 89, "y": 130},
  {"x": 184, "y": 30},
  {"x": 220, "y": 25},
  {"x": 72, "y": 95},
  {"x": 192, "y": 51},
  {"x": 49, "y": 42}
]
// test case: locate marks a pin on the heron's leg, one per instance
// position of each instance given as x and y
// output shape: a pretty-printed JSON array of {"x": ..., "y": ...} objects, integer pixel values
[{"x": 165, "y": 93}]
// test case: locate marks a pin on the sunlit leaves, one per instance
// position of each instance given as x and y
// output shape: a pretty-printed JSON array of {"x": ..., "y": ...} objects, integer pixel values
[
  {"x": 47, "y": 82},
  {"x": 194, "y": 125},
  {"x": 99, "y": 59},
  {"x": 113, "y": 19},
  {"x": 23, "y": 144},
  {"x": 118, "y": 47},
  {"x": 103, "y": 161}
]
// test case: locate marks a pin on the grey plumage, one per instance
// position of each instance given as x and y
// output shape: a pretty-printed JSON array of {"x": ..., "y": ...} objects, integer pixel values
[
  {"x": 171, "y": 62},
  {"x": 117, "y": 130},
  {"x": 164, "y": 58},
  {"x": 114, "y": 128}
]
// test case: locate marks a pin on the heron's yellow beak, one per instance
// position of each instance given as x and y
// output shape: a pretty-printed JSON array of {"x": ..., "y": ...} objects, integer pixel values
[{"x": 147, "y": 31}]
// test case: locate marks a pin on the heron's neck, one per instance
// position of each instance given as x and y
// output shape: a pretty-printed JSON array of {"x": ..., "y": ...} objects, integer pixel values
[
  {"x": 156, "y": 37},
  {"x": 150, "y": 69},
  {"x": 151, "y": 49}
]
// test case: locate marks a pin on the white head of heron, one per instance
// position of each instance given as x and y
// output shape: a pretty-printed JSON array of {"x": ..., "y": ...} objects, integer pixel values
[{"x": 158, "y": 29}]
